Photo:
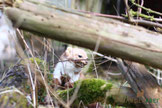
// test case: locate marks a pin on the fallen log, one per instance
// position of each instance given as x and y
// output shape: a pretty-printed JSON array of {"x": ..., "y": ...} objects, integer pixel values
[{"x": 113, "y": 37}]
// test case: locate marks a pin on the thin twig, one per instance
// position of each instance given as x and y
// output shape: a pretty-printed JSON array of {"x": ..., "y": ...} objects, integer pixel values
[
  {"x": 134, "y": 21},
  {"x": 95, "y": 50},
  {"x": 31, "y": 79},
  {"x": 140, "y": 9},
  {"x": 106, "y": 57},
  {"x": 33, "y": 85},
  {"x": 128, "y": 10}
]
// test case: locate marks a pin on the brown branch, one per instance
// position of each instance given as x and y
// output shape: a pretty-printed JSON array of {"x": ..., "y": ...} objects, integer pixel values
[{"x": 134, "y": 21}]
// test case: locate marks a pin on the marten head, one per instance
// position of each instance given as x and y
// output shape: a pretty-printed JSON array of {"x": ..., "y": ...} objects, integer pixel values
[{"x": 79, "y": 56}]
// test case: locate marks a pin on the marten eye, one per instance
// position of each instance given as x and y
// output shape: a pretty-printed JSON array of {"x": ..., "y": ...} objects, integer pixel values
[{"x": 79, "y": 56}]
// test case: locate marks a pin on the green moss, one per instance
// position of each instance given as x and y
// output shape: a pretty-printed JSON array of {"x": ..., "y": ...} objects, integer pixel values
[
  {"x": 91, "y": 90},
  {"x": 39, "y": 61},
  {"x": 13, "y": 99}
]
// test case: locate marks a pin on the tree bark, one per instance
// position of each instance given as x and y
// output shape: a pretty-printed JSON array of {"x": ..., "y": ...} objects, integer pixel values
[{"x": 143, "y": 83}]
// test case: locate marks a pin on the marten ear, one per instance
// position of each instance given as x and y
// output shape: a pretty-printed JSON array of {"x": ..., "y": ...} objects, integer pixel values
[
  {"x": 67, "y": 54},
  {"x": 68, "y": 51}
]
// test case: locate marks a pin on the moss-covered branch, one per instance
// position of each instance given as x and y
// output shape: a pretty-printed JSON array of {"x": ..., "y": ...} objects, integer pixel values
[
  {"x": 147, "y": 9},
  {"x": 133, "y": 13}
]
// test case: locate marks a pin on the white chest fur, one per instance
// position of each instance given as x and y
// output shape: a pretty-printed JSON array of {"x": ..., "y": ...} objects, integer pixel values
[{"x": 68, "y": 68}]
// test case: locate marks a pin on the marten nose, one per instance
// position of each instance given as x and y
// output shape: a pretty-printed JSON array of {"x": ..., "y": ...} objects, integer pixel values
[{"x": 85, "y": 62}]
